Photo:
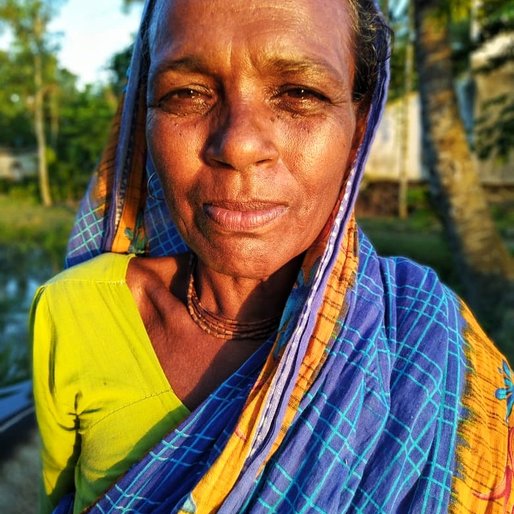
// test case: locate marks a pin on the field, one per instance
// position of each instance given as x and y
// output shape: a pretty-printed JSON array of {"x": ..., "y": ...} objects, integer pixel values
[{"x": 26, "y": 227}]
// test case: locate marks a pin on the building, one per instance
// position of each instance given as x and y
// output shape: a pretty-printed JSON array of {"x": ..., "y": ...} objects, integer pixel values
[
  {"x": 393, "y": 153},
  {"x": 16, "y": 166}
]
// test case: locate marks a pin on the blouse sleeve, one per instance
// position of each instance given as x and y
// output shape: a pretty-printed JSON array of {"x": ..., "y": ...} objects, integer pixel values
[{"x": 54, "y": 402}]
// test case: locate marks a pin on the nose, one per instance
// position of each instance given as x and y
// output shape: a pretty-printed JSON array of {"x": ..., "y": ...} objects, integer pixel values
[{"x": 243, "y": 139}]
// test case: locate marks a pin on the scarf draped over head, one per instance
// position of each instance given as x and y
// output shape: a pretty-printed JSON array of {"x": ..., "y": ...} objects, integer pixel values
[{"x": 379, "y": 394}]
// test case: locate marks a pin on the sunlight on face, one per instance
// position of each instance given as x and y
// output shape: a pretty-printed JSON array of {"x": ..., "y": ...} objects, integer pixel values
[{"x": 251, "y": 125}]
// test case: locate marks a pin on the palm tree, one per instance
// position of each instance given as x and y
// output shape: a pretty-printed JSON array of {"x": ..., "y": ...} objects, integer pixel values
[
  {"x": 486, "y": 267},
  {"x": 28, "y": 20}
]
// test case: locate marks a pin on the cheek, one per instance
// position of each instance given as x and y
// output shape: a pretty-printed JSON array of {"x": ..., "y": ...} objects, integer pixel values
[
  {"x": 173, "y": 153},
  {"x": 170, "y": 159},
  {"x": 321, "y": 157}
]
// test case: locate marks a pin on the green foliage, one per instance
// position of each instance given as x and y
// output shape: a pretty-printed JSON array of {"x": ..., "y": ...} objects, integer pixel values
[
  {"x": 85, "y": 119},
  {"x": 76, "y": 121},
  {"x": 398, "y": 20},
  {"x": 118, "y": 67},
  {"x": 26, "y": 226},
  {"x": 417, "y": 238},
  {"x": 15, "y": 120},
  {"x": 34, "y": 50},
  {"x": 503, "y": 214},
  {"x": 496, "y": 17},
  {"x": 398, "y": 56},
  {"x": 28, "y": 21},
  {"x": 495, "y": 128}
]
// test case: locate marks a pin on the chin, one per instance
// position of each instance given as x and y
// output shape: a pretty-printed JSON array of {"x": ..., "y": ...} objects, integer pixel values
[{"x": 250, "y": 261}]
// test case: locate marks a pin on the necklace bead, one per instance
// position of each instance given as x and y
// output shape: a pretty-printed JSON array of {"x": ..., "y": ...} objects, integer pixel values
[{"x": 221, "y": 327}]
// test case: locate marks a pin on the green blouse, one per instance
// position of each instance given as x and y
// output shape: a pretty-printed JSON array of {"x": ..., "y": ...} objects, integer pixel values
[{"x": 102, "y": 398}]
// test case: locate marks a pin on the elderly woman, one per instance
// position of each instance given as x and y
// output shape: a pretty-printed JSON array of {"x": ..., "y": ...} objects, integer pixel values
[{"x": 238, "y": 346}]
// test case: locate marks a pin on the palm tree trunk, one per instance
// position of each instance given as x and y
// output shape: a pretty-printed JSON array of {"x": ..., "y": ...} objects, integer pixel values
[
  {"x": 39, "y": 120},
  {"x": 403, "y": 178},
  {"x": 487, "y": 269}
]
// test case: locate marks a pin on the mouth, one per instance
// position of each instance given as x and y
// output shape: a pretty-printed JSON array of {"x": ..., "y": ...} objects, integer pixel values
[{"x": 243, "y": 216}]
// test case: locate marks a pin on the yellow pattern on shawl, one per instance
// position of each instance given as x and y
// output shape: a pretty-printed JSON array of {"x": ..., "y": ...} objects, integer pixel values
[
  {"x": 210, "y": 492},
  {"x": 483, "y": 454}
]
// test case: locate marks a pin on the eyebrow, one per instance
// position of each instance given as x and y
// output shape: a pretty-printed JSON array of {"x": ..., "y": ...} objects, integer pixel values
[
  {"x": 303, "y": 66},
  {"x": 187, "y": 64},
  {"x": 284, "y": 66}
]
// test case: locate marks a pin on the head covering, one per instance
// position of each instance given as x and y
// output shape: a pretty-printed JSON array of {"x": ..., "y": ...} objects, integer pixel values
[{"x": 364, "y": 400}]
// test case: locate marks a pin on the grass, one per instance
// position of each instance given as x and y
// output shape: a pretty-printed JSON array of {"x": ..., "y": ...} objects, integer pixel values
[
  {"x": 424, "y": 243},
  {"x": 26, "y": 226}
]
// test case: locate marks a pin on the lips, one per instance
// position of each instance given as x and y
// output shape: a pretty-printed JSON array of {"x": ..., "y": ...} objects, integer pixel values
[{"x": 243, "y": 216}]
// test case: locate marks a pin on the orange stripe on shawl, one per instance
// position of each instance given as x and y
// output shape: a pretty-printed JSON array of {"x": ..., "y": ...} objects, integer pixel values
[
  {"x": 482, "y": 484},
  {"x": 134, "y": 197},
  {"x": 135, "y": 189}
]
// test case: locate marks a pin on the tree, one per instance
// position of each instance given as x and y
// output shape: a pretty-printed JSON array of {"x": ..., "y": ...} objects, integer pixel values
[
  {"x": 493, "y": 20},
  {"x": 127, "y": 4},
  {"x": 486, "y": 267},
  {"x": 74, "y": 122},
  {"x": 28, "y": 20},
  {"x": 84, "y": 121},
  {"x": 16, "y": 126},
  {"x": 408, "y": 81}
]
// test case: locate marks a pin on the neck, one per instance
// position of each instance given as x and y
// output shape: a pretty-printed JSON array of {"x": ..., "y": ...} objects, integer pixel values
[{"x": 245, "y": 299}]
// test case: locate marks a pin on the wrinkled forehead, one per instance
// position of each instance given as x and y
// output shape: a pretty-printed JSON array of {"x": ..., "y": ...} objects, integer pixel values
[{"x": 336, "y": 18}]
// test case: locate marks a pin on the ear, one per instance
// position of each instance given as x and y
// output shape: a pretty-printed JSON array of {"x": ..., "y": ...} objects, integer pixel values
[{"x": 361, "y": 122}]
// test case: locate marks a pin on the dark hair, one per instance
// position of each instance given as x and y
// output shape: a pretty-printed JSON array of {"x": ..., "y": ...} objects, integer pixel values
[{"x": 372, "y": 42}]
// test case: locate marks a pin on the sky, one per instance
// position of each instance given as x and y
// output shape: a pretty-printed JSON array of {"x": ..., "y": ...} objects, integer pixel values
[{"x": 91, "y": 31}]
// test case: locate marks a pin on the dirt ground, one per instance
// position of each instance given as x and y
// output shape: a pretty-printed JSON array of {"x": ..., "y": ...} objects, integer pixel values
[{"x": 19, "y": 469}]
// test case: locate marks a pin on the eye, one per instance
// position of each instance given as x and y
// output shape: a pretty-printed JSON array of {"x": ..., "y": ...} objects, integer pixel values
[
  {"x": 186, "y": 101},
  {"x": 184, "y": 94},
  {"x": 303, "y": 94},
  {"x": 300, "y": 99}
]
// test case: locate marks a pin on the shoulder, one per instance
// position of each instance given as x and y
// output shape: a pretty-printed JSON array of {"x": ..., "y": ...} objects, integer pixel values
[
  {"x": 80, "y": 288},
  {"x": 406, "y": 278},
  {"x": 425, "y": 313},
  {"x": 107, "y": 267},
  {"x": 403, "y": 286},
  {"x": 420, "y": 316}
]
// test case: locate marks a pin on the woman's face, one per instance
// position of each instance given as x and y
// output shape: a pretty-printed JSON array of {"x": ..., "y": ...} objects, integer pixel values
[{"x": 251, "y": 125}]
